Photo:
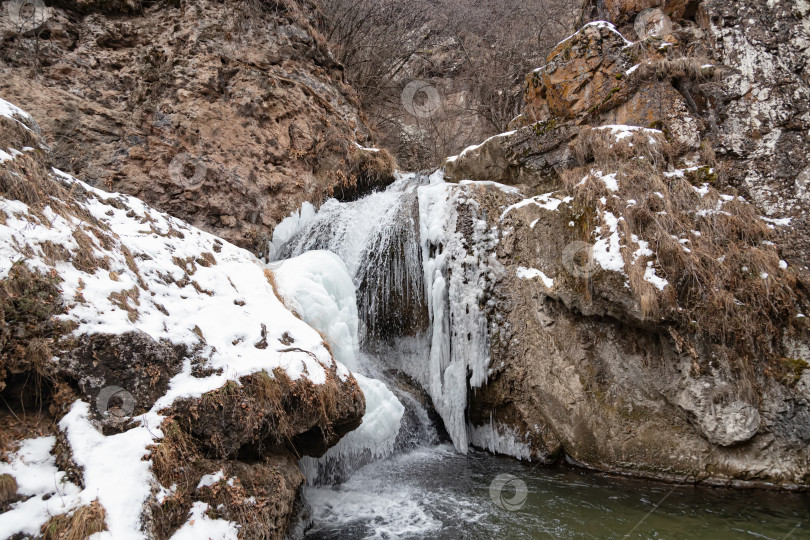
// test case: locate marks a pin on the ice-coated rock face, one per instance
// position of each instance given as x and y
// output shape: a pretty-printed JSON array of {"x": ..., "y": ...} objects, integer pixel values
[{"x": 589, "y": 378}]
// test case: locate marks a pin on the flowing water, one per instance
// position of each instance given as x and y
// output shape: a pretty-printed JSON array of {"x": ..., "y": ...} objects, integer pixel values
[
  {"x": 437, "y": 493},
  {"x": 412, "y": 307}
]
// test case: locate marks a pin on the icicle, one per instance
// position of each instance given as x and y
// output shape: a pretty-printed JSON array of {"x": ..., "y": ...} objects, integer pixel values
[{"x": 455, "y": 280}]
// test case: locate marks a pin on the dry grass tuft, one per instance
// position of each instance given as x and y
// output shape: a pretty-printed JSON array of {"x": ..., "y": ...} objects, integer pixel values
[
  {"x": 77, "y": 525},
  {"x": 725, "y": 279},
  {"x": 362, "y": 171},
  {"x": 8, "y": 488},
  {"x": 176, "y": 460},
  {"x": 127, "y": 300},
  {"x": 29, "y": 302}
]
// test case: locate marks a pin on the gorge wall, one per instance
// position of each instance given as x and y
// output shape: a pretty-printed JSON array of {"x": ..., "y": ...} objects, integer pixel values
[
  {"x": 649, "y": 311},
  {"x": 227, "y": 115}
]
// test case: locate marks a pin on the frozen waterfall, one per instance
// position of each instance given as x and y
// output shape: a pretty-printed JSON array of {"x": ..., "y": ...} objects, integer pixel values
[
  {"x": 419, "y": 284},
  {"x": 317, "y": 287}
]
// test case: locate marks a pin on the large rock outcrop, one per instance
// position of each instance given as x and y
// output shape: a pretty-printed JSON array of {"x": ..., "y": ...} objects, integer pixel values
[
  {"x": 148, "y": 366},
  {"x": 648, "y": 315},
  {"x": 227, "y": 115}
]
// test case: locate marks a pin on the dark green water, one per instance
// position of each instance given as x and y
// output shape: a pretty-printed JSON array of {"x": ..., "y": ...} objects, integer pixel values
[{"x": 435, "y": 493}]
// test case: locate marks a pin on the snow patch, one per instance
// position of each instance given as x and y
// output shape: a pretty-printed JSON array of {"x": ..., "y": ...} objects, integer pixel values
[
  {"x": 650, "y": 277},
  {"x": 209, "y": 480},
  {"x": 511, "y": 190},
  {"x": 366, "y": 148},
  {"x": 544, "y": 201},
  {"x": 531, "y": 273},
  {"x": 199, "y": 526},
  {"x": 50, "y": 492},
  {"x": 607, "y": 251}
]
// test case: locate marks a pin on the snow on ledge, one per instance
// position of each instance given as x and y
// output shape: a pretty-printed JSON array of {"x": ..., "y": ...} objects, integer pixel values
[
  {"x": 365, "y": 148},
  {"x": 531, "y": 273},
  {"x": 475, "y": 147},
  {"x": 512, "y": 190},
  {"x": 600, "y": 25},
  {"x": 621, "y": 131},
  {"x": 11, "y": 111}
]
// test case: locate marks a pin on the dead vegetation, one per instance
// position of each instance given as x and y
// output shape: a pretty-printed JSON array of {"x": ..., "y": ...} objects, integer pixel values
[
  {"x": 77, "y": 525},
  {"x": 266, "y": 413},
  {"x": 29, "y": 303},
  {"x": 8, "y": 489},
  {"x": 27, "y": 180},
  {"x": 726, "y": 282},
  {"x": 474, "y": 54},
  {"x": 251, "y": 494},
  {"x": 688, "y": 67},
  {"x": 176, "y": 461}
]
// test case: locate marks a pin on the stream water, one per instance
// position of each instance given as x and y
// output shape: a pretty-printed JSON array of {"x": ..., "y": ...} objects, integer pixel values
[
  {"x": 413, "y": 306},
  {"x": 438, "y": 493}
]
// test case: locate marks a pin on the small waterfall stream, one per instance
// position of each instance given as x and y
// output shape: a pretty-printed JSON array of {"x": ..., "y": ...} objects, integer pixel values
[
  {"x": 399, "y": 292},
  {"x": 377, "y": 238}
]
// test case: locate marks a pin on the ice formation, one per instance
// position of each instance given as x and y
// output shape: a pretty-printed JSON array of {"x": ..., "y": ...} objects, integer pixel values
[
  {"x": 419, "y": 285},
  {"x": 500, "y": 439},
  {"x": 455, "y": 280},
  {"x": 318, "y": 287}
]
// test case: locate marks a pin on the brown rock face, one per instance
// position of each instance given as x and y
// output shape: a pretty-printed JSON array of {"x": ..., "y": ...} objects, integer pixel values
[
  {"x": 226, "y": 116},
  {"x": 623, "y": 11},
  {"x": 597, "y": 76},
  {"x": 582, "y": 74},
  {"x": 593, "y": 356}
]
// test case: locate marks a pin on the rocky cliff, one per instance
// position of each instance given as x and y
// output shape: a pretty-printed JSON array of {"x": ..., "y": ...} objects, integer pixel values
[
  {"x": 152, "y": 381},
  {"x": 648, "y": 310},
  {"x": 227, "y": 115}
]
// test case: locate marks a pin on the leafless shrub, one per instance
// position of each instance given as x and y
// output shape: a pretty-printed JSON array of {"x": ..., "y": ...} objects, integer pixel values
[{"x": 476, "y": 55}]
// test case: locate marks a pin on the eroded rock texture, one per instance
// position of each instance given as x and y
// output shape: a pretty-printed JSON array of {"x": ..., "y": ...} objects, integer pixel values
[
  {"x": 649, "y": 314},
  {"x": 228, "y": 115}
]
